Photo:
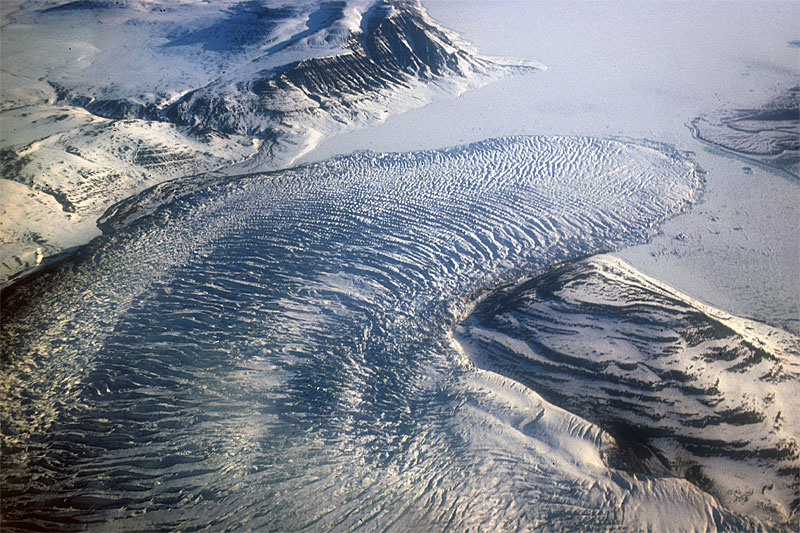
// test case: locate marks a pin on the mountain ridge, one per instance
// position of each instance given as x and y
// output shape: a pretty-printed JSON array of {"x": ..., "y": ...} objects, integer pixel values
[{"x": 261, "y": 101}]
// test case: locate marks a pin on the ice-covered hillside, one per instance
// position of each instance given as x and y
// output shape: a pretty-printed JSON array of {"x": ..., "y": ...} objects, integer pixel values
[
  {"x": 686, "y": 389},
  {"x": 101, "y": 99}
]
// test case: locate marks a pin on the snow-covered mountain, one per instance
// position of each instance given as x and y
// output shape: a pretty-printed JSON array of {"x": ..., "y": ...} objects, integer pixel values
[
  {"x": 687, "y": 390},
  {"x": 397, "y": 59},
  {"x": 101, "y": 100}
]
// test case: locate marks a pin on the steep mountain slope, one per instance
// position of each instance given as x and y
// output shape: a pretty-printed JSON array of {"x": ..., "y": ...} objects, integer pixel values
[
  {"x": 397, "y": 59},
  {"x": 101, "y": 100},
  {"x": 687, "y": 390}
]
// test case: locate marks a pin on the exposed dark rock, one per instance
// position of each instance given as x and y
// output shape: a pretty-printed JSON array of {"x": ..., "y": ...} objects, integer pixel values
[{"x": 397, "y": 47}]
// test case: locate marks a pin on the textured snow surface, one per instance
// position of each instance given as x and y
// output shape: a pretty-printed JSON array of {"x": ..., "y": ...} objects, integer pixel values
[
  {"x": 688, "y": 390},
  {"x": 276, "y": 351},
  {"x": 642, "y": 75},
  {"x": 768, "y": 135},
  {"x": 101, "y": 100}
]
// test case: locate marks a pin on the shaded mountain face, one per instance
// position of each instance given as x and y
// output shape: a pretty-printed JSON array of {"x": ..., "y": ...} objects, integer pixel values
[
  {"x": 102, "y": 100},
  {"x": 397, "y": 48},
  {"x": 685, "y": 389},
  {"x": 243, "y": 25}
]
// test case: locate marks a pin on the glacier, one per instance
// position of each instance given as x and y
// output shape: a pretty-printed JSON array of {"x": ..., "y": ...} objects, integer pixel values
[
  {"x": 96, "y": 112},
  {"x": 281, "y": 351},
  {"x": 767, "y": 135},
  {"x": 429, "y": 340},
  {"x": 643, "y": 76}
]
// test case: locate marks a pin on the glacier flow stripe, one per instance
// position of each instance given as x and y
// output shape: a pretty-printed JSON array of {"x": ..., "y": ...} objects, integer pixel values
[{"x": 274, "y": 352}]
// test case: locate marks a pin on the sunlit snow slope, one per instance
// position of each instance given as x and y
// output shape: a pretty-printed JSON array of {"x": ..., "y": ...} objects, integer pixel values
[
  {"x": 276, "y": 351},
  {"x": 102, "y": 99},
  {"x": 688, "y": 390}
]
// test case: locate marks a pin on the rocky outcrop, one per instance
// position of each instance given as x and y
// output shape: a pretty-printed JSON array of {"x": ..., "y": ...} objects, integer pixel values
[{"x": 398, "y": 47}]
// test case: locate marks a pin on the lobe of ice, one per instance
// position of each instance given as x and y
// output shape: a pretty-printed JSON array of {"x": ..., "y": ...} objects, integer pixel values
[{"x": 277, "y": 348}]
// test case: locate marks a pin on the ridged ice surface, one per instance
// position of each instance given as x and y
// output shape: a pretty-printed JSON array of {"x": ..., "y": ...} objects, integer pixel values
[{"x": 275, "y": 351}]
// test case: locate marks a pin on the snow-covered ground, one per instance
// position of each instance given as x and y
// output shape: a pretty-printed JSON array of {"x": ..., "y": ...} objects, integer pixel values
[
  {"x": 276, "y": 350},
  {"x": 101, "y": 100},
  {"x": 641, "y": 70}
]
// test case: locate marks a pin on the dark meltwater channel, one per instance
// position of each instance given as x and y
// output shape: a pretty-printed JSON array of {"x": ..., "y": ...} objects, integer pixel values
[{"x": 274, "y": 352}]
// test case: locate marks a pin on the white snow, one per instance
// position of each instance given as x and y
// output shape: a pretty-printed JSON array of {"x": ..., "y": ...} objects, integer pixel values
[
  {"x": 635, "y": 333},
  {"x": 640, "y": 70}
]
